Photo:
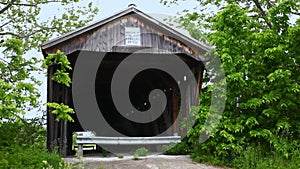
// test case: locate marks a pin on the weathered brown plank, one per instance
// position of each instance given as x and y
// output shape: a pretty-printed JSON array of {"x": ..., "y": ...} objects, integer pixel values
[{"x": 104, "y": 38}]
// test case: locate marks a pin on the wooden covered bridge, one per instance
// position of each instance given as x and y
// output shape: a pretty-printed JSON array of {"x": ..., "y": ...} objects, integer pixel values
[{"x": 118, "y": 36}]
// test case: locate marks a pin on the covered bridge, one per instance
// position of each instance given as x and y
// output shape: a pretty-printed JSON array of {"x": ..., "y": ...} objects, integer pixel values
[{"x": 128, "y": 32}]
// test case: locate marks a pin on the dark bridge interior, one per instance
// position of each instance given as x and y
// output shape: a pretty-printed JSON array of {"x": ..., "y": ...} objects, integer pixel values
[{"x": 140, "y": 87}]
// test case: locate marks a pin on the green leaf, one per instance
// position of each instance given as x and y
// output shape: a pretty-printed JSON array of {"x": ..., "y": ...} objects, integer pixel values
[{"x": 62, "y": 111}]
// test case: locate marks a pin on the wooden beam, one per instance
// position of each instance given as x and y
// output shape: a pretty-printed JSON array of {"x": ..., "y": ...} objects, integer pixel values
[
  {"x": 175, "y": 111},
  {"x": 50, "y": 118},
  {"x": 64, "y": 125},
  {"x": 199, "y": 83}
]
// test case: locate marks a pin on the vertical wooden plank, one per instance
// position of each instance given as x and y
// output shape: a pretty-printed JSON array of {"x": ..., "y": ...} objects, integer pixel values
[
  {"x": 50, "y": 119},
  {"x": 95, "y": 44},
  {"x": 102, "y": 40},
  {"x": 143, "y": 36},
  {"x": 122, "y": 34},
  {"x": 175, "y": 111},
  {"x": 155, "y": 44},
  {"x": 64, "y": 124},
  {"x": 56, "y": 126},
  {"x": 114, "y": 35},
  {"x": 61, "y": 136},
  {"x": 117, "y": 32},
  {"x": 148, "y": 41},
  {"x": 199, "y": 83},
  {"x": 160, "y": 43},
  {"x": 105, "y": 39},
  {"x": 183, "y": 100},
  {"x": 109, "y": 36}
]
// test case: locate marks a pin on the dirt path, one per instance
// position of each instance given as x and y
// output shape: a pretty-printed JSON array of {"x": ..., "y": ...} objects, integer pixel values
[{"x": 149, "y": 162}]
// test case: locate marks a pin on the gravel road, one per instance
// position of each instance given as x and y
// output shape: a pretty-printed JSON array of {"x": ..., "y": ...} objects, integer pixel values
[{"x": 148, "y": 162}]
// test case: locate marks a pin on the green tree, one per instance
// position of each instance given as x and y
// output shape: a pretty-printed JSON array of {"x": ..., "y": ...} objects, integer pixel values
[
  {"x": 258, "y": 43},
  {"x": 22, "y": 29}
]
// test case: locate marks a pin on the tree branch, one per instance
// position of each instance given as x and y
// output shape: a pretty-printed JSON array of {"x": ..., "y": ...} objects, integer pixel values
[
  {"x": 8, "y": 5},
  {"x": 17, "y": 4},
  {"x": 264, "y": 16},
  {"x": 10, "y": 72},
  {"x": 24, "y": 36},
  {"x": 5, "y": 24},
  {"x": 270, "y": 4},
  {"x": 52, "y": 1},
  {"x": 10, "y": 33},
  {"x": 23, "y": 4},
  {"x": 32, "y": 33},
  {"x": 296, "y": 13},
  {"x": 3, "y": 60}
]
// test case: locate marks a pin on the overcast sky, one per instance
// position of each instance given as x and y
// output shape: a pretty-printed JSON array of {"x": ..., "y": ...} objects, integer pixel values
[
  {"x": 110, "y": 7},
  {"x": 106, "y": 9}
]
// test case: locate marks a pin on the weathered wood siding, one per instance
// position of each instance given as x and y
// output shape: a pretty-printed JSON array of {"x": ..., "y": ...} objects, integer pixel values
[{"x": 111, "y": 38}]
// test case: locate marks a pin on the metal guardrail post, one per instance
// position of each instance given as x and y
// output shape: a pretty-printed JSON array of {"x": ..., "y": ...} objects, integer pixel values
[{"x": 80, "y": 150}]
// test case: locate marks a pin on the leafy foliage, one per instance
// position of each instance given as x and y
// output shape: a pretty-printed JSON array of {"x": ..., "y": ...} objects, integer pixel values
[
  {"x": 18, "y": 91},
  {"x": 22, "y": 29},
  {"x": 62, "y": 111},
  {"x": 61, "y": 75},
  {"x": 22, "y": 145},
  {"x": 22, "y": 20},
  {"x": 258, "y": 43},
  {"x": 176, "y": 149}
]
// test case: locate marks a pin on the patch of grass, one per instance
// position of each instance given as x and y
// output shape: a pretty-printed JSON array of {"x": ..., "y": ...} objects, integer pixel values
[
  {"x": 252, "y": 158},
  {"x": 256, "y": 158},
  {"x": 105, "y": 153},
  {"x": 140, "y": 152}
]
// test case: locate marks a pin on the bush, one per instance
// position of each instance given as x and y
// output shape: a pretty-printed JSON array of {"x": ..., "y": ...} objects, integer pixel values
[
  {"x": 252, "y": 158},
  {"x": 20, "y": 157},
  {"x": 22, "y": 133},
  {"x": 23, "y": 145},
  {"x": 181, "y": 148}
]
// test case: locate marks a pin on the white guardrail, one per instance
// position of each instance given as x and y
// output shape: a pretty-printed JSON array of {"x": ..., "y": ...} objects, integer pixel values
[{"x": 89, "y": 138}]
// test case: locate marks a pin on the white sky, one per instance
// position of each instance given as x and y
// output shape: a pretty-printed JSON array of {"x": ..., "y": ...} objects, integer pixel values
[
  {"x": 111, "y": 7},
  {"x": 106, "y": 9}
]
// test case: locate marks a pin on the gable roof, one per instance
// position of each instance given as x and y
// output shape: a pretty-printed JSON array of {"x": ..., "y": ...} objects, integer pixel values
[{"x": 187, "y": 40}]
